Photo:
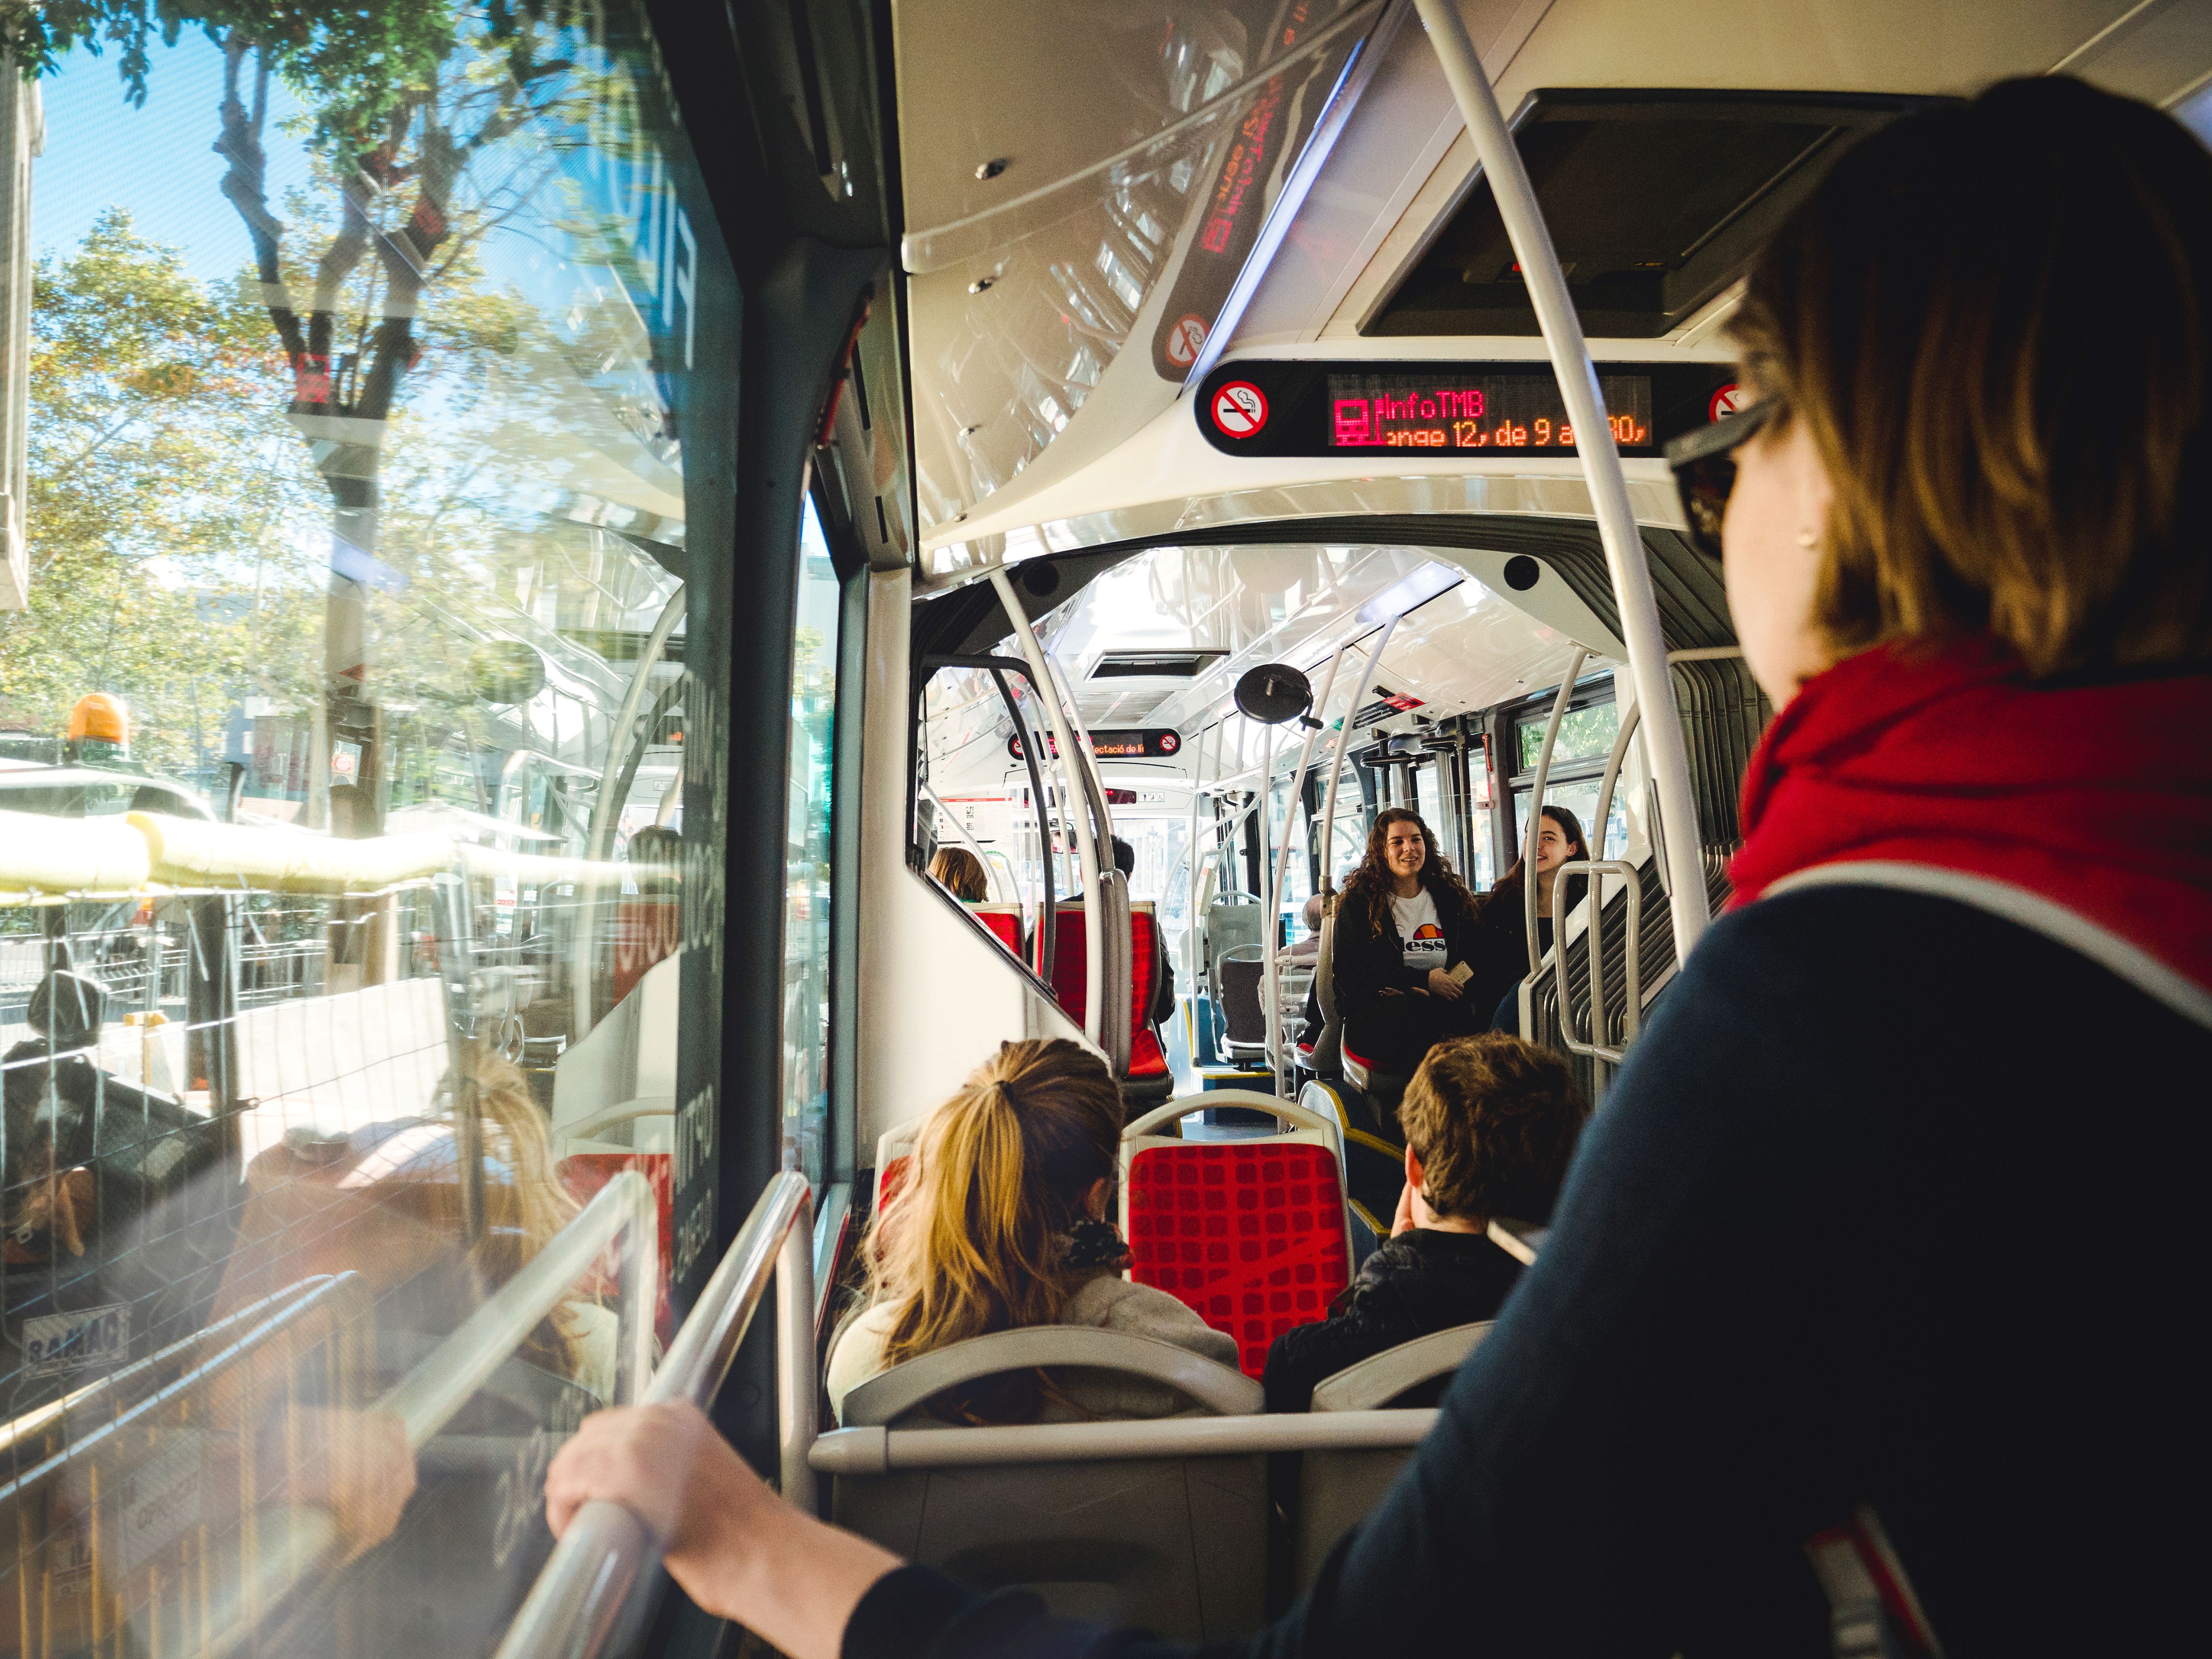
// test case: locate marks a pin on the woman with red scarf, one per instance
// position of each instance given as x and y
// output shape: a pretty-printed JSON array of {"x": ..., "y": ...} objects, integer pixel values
[{"x": 1867, "y": 1320}]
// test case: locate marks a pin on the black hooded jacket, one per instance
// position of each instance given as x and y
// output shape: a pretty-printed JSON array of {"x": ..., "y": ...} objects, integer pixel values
[{"x": 1418, "y": 1283}]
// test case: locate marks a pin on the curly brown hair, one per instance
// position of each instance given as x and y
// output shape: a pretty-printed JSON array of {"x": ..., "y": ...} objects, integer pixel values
[
  {"x": 1494, "y": 1120},
  {"x": 1369, "y": 885}
]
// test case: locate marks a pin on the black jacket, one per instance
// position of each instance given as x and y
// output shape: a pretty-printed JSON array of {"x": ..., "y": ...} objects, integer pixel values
[
  {"x": 1418, "y": 1283},
  {"x": 1498, "y": 944},
  {"x": 1823, "y": 1247},
  {"x": 1363, "y": 963}
]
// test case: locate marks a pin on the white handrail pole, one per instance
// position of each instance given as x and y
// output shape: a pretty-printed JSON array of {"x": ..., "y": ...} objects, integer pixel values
[
  {"x": 1267, "y": 832},
  {"x": 1530, "y": 830},
  {"x": 1283, "y": 853},
  {"x": 1343, "y": 746},
  {"x": 1600, "y": 457},
  {"x": 1086, "y": 847}
]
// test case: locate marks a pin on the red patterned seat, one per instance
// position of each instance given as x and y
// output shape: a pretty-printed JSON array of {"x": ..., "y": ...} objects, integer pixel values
[
  {"x": 1148, "y": 1061},
  {"x": 1005, "y": 922},
  {"x": 1250, "y": 1234}
]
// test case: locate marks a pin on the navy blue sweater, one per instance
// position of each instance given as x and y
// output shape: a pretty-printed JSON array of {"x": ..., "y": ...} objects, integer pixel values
[{"x": 1894, "y": 1203}]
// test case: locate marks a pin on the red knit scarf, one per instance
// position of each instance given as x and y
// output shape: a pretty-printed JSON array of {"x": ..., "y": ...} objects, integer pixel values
[{"x": 2095, "y": 797}]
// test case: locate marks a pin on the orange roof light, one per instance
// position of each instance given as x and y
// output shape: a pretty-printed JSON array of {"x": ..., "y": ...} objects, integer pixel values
[{"x": 102, "y": 717}]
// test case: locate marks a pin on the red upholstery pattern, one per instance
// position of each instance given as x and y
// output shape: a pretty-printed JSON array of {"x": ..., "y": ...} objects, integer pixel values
[
  {"x": 1249, "y": 1234},
  {"x": 1070, "y": 980},
  {"x": 1005, "y": 922}
]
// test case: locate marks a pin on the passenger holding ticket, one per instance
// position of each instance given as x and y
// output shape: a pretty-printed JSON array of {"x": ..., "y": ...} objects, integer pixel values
[{"x": 1404, "y": 924}]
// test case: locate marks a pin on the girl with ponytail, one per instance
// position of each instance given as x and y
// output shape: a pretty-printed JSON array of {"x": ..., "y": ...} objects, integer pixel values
[{"x": 1001, "y": 1222}]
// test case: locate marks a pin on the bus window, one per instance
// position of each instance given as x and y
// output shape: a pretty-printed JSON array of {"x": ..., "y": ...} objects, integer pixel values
[
  {"x": 806, "y": 933},
  {"x": 347, "y": 869}
]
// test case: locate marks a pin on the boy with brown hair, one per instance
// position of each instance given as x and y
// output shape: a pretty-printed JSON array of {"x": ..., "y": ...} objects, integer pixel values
[{"x": 1491, "y": 1123}]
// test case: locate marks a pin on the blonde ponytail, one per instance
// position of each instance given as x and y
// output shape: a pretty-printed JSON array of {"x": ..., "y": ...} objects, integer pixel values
[{"x": 972, "y": 1243}]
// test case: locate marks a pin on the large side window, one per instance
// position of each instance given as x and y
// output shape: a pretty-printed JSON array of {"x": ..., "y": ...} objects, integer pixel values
[
  {"x": 1577, "y": 770},
  {"x": 365, "y": 807},
  {"x": 810, "y": 771}
]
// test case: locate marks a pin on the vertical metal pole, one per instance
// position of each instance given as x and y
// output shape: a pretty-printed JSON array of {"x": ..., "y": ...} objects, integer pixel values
[
  {"x": 1047, "y": 925},
  {"x": 1264, "y": 827},
  {"x": 1282, "y": 855},
  {"x": 1190, "y": 913},
  {"x": 1343, "y": 747},
  {"x": 1086, "y": 846},
  {"x": 795, "y": 1383},
  {"x": 1536, "y": 803},
  {"x": 449, "y": 897},
  {"x": 1601, "y": 458}
]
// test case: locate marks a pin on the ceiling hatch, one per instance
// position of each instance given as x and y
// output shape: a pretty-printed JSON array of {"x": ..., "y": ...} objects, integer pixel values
[
  {"x": 1657, "y": 202},
  {"x": 1154, "y": 665}
]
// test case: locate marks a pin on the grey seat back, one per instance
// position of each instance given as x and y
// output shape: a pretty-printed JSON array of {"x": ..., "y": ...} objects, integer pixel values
[
  {"x": 1230, "y": 924},
  {"x": 1237, "y": 975},
  {"x": 1336, "y": 1489},
  {"x": 1329, "y": 1048},
  {"x": 1176, "y": 1545}
]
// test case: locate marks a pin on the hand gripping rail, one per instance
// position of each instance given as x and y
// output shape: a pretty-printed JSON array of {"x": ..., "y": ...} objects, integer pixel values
[
  {"x": 294, "y": 1542},
  {"x": 577, "y": 1605}
]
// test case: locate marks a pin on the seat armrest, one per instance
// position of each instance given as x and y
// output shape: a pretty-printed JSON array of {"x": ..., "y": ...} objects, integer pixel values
[
  {"x": 884, "y": 1399},
  {"x": 1383, "y": 1376}
]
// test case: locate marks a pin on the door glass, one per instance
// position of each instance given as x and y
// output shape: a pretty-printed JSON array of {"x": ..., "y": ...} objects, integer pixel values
[
  {"x": 806, "y": 857},
  {"x": 364, "y": 384}
]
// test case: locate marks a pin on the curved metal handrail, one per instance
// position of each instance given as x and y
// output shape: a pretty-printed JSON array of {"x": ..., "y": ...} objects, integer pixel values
[{"x": 581, "y": 1599}]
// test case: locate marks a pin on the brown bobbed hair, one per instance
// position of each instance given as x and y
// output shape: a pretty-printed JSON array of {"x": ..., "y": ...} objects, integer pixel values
[
  {"x": 1994, "y": 319},
  {"x": 961, "y": 873},
  {"x": 1494, "y": 1120},
  {"x": 974, "y": 1241},
  {"x": 1369, "y": 885}
]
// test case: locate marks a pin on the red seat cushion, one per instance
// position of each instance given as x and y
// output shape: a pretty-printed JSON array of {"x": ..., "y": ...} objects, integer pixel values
[
  {"x": 1005, "y": 925},
  {"x": 1070, "y": 980},
  {"x": 1249, "y": 1234}
]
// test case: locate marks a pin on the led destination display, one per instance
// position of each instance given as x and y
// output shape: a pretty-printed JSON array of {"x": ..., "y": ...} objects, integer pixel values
[{"x": 1475, "y": 412}]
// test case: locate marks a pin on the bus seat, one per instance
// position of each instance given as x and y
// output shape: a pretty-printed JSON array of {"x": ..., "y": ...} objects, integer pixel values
[
  {"x": 1237, "y": 975},
  {"x": 1384, "y": 1089},
  {"x": 1373, "y": 1159},
  {"x": 1005, "y": 923},
  {"x": 1252, "y": 1235},
  {"x": 1336, "y": 1489},
  {"x": 1150, "y": 1078},
  {"x": 894, "y": 1158},
  {"x": 1324, "y": 1056},
  {"x": 1178, "y": 1546},
  {"x": 1230, "y": 924},
  {"x": 582, "y": 1174}
]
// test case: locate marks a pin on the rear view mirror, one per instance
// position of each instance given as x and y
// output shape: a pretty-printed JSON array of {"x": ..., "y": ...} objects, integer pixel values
[{"x": 1275, "y": 692}]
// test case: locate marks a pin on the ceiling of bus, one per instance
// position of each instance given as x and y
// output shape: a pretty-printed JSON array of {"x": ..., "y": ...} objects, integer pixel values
[
  {"x": 1111, "y": 123},
  {"x": 1460, "y": 647}
]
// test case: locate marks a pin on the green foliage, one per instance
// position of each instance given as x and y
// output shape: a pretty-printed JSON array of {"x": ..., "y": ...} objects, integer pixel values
[
  {"x": 353, "y": 65},
  {"x": 166, "y": 502}
]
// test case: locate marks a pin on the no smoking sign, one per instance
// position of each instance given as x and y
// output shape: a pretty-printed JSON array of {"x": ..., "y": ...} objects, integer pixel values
[{"x": 1240, "y": 409}]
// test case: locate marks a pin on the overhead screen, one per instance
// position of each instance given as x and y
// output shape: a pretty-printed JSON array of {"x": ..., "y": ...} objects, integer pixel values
[{"x": 1468, "y": 411}]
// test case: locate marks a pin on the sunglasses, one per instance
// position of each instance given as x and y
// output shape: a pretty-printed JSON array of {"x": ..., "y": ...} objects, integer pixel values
[{"x": 1704, "y": 470}]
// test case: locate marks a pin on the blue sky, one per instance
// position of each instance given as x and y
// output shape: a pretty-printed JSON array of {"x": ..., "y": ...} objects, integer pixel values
[{"x": 157, "y": 161}]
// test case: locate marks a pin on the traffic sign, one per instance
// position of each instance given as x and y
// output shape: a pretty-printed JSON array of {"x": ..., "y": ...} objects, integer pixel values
[
  {"x": 1240, "y": 409},
  {"x": 1186, "y": 339},
  {"x": 1728, "y": 400}
]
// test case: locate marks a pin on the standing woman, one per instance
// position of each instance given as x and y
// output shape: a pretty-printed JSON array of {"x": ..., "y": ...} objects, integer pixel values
[
  {"x": 1403, "y": 921},
  {"x": 1819, "y": 1355},
  {"x": 1498, "y": 953}
]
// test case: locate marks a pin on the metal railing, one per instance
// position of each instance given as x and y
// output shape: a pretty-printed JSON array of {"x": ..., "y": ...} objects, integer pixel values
[
  {"x": 586, "y": 1591},
  {"x": 1594, "y": 954},
  {"x": 885, "y": 1451}
]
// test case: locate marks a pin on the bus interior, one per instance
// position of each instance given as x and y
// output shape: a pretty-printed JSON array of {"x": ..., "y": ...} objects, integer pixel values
[{"x": 581, "y": 564}]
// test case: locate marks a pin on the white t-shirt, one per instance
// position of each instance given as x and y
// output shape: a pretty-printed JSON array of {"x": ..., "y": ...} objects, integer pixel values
[{"x": 1419, "y": 931}]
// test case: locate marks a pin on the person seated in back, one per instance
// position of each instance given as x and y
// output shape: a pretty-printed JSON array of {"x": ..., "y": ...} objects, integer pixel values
[
  {"x": 960, "y": 874},
  {"x": 1491, "y": 1123},
  {"x": 1001, "y": 1222}
]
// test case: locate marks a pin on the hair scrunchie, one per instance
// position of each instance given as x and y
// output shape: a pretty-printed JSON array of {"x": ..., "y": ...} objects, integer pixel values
[{"x": 1093, "y": 1244}]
